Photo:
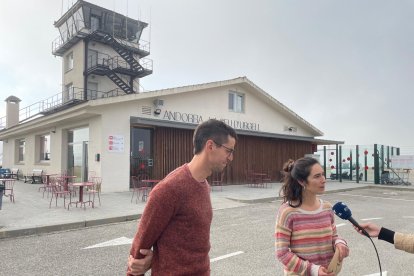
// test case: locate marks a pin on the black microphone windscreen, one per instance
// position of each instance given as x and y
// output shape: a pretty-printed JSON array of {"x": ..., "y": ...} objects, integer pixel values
[{"x": 341, "y": 210}]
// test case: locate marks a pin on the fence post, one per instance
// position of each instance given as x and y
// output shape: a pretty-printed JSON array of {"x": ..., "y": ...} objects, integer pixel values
[{"x": 376, "y": 165}]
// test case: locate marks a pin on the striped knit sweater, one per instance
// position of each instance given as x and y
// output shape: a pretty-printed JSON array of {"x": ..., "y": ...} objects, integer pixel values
[{"x": 305, "y": 240}]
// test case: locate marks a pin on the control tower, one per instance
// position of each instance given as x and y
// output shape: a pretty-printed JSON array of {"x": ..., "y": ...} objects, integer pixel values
[{"x": 102, "y": 52}]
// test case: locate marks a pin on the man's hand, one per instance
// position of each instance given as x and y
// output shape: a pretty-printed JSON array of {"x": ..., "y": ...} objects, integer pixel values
[{"x": 140, "y": 266}]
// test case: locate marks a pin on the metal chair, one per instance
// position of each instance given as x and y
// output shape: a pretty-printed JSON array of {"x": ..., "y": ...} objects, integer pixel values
[
  {"x": 217, "y": 181},
  {"x": 138, "y": 186},
  {"x": 8, "y": 188},
  {"x": 96, "y": 189},
  {"x": 57, "y": 188}
]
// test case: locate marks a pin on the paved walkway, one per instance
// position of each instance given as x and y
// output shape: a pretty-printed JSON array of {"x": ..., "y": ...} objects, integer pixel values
[{"x": 30, "y": 214}]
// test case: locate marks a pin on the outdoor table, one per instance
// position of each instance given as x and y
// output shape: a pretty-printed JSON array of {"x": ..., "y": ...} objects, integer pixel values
[
  {"x": 48, "y": 175},
  {"x": 258, "y": 178},
  {"x": 80, "y": 201},
  {"x": 151, "y": 183}
]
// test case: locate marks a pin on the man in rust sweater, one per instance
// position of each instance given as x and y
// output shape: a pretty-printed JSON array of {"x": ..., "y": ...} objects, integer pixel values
[{"x": 176, "y": 220}]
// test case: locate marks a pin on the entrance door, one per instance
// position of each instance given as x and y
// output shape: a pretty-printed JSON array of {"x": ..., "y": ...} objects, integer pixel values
[
  {"x": 78, "y": 153},
  {"x": 141, "y": 151}
]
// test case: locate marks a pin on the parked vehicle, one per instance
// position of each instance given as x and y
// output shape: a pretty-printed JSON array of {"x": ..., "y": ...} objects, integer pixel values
[
  {"x": 346, "y": 172},
  {"x": 4, "y": 173}
]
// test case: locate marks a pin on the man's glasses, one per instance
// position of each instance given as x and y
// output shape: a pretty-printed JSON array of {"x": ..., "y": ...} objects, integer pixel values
[{"x": 228, "y": 150}]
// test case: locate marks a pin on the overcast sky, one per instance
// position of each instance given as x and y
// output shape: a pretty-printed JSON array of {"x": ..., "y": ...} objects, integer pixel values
[{"x": 344, "y": 66}]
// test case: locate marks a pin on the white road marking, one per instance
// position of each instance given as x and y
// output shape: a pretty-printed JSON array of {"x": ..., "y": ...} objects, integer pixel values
[
  {"x": 371, "y": 218},
  {"x": 384, "y": 273},
  {"x": 114, "y": 242},
  {"x": 124, "y": 240},
  {"x": 226, "y": 256},
  {"x": 341, "y": 224},
  {"x": 388, "y": 198}
]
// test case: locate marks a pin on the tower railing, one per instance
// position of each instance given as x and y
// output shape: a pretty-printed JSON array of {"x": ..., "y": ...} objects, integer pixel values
[
  {"x": 61, "y": 101},
  {"x": 80, "y": 30}
]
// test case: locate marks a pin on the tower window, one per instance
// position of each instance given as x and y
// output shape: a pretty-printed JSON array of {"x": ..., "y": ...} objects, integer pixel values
[{"x": 69, "y": 62}]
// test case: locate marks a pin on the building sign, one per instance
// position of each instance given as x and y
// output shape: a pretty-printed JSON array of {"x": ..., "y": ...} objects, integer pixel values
[
  {"x": 197, "y": 119},
  {"x": 116, "y": 143},
  {"x": 402, "y": 161}
]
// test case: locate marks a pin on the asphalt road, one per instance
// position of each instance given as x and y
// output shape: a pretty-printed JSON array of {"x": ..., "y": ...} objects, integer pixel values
[{"x": 242, "y": 242}]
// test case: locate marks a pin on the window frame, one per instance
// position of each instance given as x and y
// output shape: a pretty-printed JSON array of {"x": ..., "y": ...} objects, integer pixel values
[
  {"x": 44, "y": 155},
  {"x": 233, "y": 104},
  {"x": 20, "y": 144},
  {"x": 69, "y": 62}
]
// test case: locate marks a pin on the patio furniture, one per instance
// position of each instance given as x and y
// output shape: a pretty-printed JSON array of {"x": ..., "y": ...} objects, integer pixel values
[
  {"x": 58, "y": 191},
  {"x": 217, "y": 181},
  {"x": 139, "y": 186},
  {"x": 14, "y": 173},
  {"x": 95, "y": 189},
  {"x": 8, "y": 188},
  {"x": 81, "y": 185},
  {"x": 35, "y": 176}
]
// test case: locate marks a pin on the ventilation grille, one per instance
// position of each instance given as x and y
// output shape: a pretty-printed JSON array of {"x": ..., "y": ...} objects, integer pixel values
[{"x": 146, "y": 110}]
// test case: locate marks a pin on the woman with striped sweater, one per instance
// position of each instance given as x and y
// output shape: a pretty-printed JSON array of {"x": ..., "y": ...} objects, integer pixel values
[{"x": 306, "y": 237}]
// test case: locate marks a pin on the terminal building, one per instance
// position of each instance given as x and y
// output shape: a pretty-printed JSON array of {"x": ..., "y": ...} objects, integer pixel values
[{"x": 102, "y": 122}]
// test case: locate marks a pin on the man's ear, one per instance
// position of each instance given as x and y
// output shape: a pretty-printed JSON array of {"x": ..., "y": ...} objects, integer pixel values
[{"x": 209, "y": 144}]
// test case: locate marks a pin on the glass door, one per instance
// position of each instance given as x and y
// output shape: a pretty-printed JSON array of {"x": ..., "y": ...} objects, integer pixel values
[
  {"x": 141, "y": 151},
  {"x": 78, "y": 140}
]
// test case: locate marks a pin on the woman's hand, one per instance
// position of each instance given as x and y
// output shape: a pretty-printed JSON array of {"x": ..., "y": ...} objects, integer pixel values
[
  {"x": 323, "y": 271},
  {"x": 343, "y": 251}
]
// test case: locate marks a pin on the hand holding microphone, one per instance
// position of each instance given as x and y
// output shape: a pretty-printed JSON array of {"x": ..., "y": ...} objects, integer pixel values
[
  {"x": 372, "y": 229},
  {"x": 341, "y": 210}
]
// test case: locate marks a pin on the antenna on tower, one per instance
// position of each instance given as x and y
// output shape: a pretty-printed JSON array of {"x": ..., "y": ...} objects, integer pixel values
[
  {"x": 126, "y": 22},
  {"x": 150, "y": 27}
]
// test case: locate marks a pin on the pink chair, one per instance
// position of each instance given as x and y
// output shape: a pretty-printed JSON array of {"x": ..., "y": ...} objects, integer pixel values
[
  {"x": 138, "y": 186},
  {"x": 8, "y": 188},
  {"x": 217, "y": 181},
  {"x": 58, "y": 190},
  {"x": 95, "y": 189},
  {"x": 45, "y": 186}
]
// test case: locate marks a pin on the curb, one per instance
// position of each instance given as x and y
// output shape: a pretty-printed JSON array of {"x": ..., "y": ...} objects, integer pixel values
[{"x": 14, "y": 233}]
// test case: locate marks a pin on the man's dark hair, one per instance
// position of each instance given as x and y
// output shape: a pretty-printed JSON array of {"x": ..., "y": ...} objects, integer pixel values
[{"x": 212, "y": 129}]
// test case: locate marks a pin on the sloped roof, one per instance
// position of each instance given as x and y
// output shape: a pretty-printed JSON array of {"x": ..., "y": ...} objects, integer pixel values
[{"x": 244, "y": 81}]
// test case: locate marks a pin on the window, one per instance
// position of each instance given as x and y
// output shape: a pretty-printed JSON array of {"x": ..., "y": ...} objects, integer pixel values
[
  {"x": 20, "y": 150},
  {"x": 69, "y": 62},
  {"x": 236, "y": 102},
  {"x": 44, "y": 147},
  {"x": 95, "y": 23},
  {"x": 70, "y": 92}
]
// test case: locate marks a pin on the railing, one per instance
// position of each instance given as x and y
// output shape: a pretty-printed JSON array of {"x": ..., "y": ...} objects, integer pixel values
[
  {"x": 60, "y": 101},
  {"x": 105, "y": 60},
  {"x": 79, "y": 29}
]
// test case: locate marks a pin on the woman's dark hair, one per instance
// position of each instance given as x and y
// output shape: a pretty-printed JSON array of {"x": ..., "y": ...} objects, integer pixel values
[
  {"x": 295, "y": 171},
  {"x": 213, "y": 129}
]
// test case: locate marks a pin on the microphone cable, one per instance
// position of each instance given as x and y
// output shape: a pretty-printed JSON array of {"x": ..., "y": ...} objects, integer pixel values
[{"x": 376, "y": 251}]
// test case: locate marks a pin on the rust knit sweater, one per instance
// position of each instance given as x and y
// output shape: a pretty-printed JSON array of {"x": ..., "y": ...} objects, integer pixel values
[{"x": 176, "y": 223}]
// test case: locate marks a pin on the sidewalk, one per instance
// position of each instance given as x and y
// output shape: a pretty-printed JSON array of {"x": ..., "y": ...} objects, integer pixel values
[{"x": 30, "y": 214}]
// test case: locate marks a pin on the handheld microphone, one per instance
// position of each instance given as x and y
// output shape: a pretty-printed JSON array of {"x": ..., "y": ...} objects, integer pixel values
[{"x": 341, "y": 210}]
